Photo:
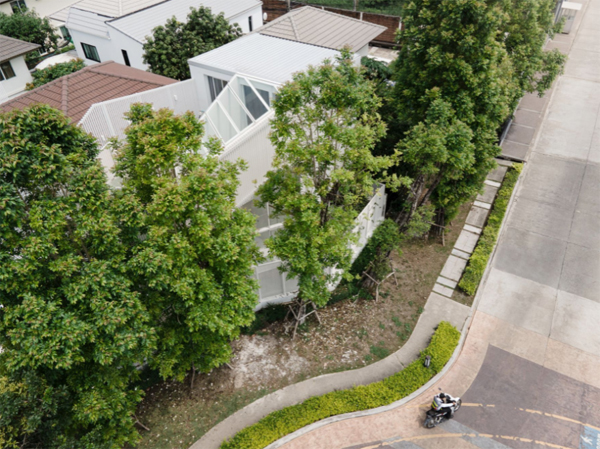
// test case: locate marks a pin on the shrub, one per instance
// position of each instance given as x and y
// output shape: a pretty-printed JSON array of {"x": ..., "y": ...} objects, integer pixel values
[
  {"x": 384, "y": 239},
  {"x": 479, "y": 259},
  {"x": 363, "y": 397},
  {"x": 43, "y": 76}
]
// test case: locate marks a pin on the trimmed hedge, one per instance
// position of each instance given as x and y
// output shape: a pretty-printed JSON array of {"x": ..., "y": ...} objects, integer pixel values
[
  {"x": 285, "y": 421},
  {"x": 479, "y": 259}
]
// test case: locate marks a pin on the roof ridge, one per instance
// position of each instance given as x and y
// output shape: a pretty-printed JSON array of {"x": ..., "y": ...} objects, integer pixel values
[
  {"x": 119, "y": 75},
  {"x": 294, "y": 28},
  {"x": 365, "y": 22},
  {"x": 65, "y": 95}
]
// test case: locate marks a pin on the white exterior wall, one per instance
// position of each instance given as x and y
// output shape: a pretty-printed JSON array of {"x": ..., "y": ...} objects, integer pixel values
[
  {"x": 242, "y": 19},
  {"x": 110, "y": 48},
  {"x": 16, "y": 84},
  {"x": 103, "y": 45}
]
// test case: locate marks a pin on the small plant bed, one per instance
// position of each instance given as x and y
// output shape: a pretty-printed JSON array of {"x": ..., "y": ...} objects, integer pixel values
[
  {"x": 355, "y": 331},
  {"x": 479, "y": 259},
  {"x": 285, "y": 421}
]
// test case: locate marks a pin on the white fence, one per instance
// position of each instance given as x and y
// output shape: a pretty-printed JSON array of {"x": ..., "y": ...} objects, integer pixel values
[
  {"x": 105, "y": 120},
  {"x": 276, "y": 288}
]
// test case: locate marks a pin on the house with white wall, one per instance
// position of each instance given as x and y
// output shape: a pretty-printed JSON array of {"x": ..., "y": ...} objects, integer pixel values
[
  {"x": 231, "y": 90},
  {"x": 14, "y": 73},
  {"x": 116, "y": 30}
]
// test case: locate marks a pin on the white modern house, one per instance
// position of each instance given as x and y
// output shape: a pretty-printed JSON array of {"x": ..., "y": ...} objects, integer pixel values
[
  {"x": 231, "y": 90},
  {"x": 116, "y": 30},
  {"x": 14, "y": 74}
]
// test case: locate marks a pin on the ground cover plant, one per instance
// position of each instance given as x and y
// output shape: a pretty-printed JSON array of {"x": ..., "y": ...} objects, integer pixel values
[
  {"x": 285, "y": 421},
  {"x": 479, "y": 259}
]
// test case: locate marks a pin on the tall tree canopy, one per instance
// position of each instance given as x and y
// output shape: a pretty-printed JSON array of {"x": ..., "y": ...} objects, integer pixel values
[
  {"x": 171, "y": 45},
  {"x": 193, "y": 251},
  {"x": 526, "y": 26},
  {"x": 71, "y": 323},
  {"x": 451, "y": 57},
  {"x": 29, "y": 27},
  {"x": 324, "y": 129}
]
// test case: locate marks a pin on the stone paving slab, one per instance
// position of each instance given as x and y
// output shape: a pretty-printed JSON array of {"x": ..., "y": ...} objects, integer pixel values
[
  {"x": 498, "y": 173},
  {"x": 447, "y": 282},
  {"x": 466, "y": 241},
  {"x": 443, "y": 290},
  {"x": 576, "y": 322},
  {"x": 589, "y": 195},
  {"x": 488, "y": 195},
  {"x": 532, "y": 102},
  {"x": 552, "y": 180},
  {"x": 458, "y": 253},
  {"x": 520, "y": 134},
  {"x": 514, "y": 150},
  {"x": 477, "y": 216},
  {"x": 454, "y": 267},
  {"x": 518, "y": 301},
  {"x": 542, "y": 218},
  {"x": 581, "y": 272},
  {"x": 527, "y": 118},
  {"x": 585, "y": 229},
  {"x": 531, "y": 256}
]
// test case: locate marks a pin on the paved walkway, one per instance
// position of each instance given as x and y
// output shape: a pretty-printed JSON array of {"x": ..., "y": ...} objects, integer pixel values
[{"x": 529, "y": 369}]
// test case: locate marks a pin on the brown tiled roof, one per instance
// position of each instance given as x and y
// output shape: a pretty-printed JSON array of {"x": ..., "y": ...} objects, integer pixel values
[
  {"x": 75, "y": 93},
  {"x": 11, "y": 48}
]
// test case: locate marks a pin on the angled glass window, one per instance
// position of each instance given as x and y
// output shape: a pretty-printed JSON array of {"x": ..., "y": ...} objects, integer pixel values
[{"x": 6, "y": 71}]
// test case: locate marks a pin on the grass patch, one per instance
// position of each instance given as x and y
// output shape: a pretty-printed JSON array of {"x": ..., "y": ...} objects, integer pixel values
[
  {"x": 479, "y": 259},
  {"x": 285, "y": 421},
  {"x": 379, "y": 351}
]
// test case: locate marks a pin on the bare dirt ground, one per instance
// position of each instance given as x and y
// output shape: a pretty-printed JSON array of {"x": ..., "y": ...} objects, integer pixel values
[{"x": 354, "y": 332}]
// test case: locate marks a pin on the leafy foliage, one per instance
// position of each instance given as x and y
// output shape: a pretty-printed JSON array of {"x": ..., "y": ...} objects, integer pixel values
[
  {"x": 324, "y": 128},
  {"x": 385, "y": 238},
  {"x": 452, "y": 91},
  {"x": 283, "y": 422},
  {"x": 192, "y": 250},
  {"x": 29, "y": 27},
  {"x": 43, "y": 76},
  {"x": 171, "y": 45},
  {"x": 72, "y": 325},
  {"x": 527, "y": 25},
  {"x": 479, "y": 259}
]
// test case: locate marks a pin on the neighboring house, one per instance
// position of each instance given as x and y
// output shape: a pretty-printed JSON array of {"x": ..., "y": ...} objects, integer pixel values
[
  {"x": 232, "y": 88},
  {"x": 14, "y": 74},
  {"x": 117, "y": 29},
  {"x": 76, "y": 93},
  {"x": 44, "y": 8}
]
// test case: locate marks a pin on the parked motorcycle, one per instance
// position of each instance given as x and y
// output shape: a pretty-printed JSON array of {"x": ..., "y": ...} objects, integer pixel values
[{"x": 443, "y": 405}]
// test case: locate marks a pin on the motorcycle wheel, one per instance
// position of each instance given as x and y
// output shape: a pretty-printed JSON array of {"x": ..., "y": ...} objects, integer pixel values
[
  {"x": 458, "y": 404},
  {"x": 430, "y": 423}
]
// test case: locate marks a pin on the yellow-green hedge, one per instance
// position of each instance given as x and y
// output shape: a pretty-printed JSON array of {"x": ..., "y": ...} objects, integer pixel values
[
  {"x": 479, "y": 259},
  {"x": 285, "y": 421}
]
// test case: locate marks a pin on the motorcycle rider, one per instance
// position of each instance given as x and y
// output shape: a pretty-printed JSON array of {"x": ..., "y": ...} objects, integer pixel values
[{"x": 443, "y": 401}]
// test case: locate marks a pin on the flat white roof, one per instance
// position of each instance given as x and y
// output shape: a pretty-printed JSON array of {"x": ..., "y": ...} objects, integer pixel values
[
  {"x": 264, "y": 57},
  {"x": 141, "y": 23}
]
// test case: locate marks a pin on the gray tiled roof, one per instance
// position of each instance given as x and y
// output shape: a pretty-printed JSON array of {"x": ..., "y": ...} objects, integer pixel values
[
  {"x": 323, "y": 28},
  {"x": 11, "y": 48}
]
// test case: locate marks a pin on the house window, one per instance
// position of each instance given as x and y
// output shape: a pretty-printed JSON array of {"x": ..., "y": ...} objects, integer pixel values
[
  {"x": 6, "y": 71},
  {"x": 216, "y": 86},
  {"x": 18, "y": 6},
  {"x": 126, "y": 58},
  {"x": 65, "y": 33},
  {"x": 250, "y": 23},
  {"x": 90, "y": 52}
]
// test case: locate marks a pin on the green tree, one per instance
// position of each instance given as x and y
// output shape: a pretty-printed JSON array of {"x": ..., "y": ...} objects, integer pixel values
[
  {"x": 526, "y": 26},
  {"x": 324, "y": 128},
  {"x": 193, "y": 251},
  {"x": 44, "y": 76},
  {"x": 450, "y": 52},
  {"x": 72, "y": 325},
  {"x": 171, "y": 45},
  {"x": 29, "y": 27}
]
